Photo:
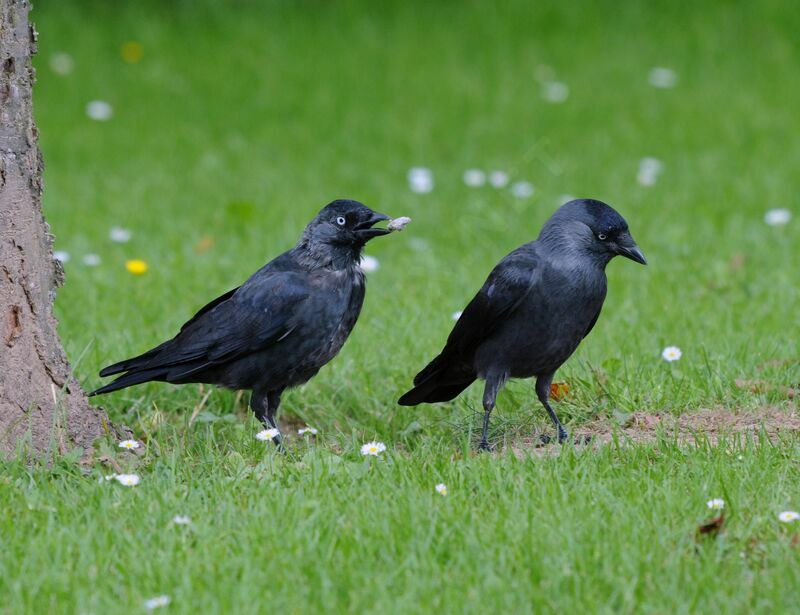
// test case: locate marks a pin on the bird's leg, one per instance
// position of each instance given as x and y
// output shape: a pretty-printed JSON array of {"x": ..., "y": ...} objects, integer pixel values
[
  {"x": 273, "y": 401},
  {"x": 543, "y": 393},
  {"x": 493, "y": 385},
  {"x": 262, "y": 406}
]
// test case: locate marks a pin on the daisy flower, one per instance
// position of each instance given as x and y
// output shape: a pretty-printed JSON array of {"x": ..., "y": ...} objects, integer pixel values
[
  {"x": 129, "y": 480},
  {"x": 157, "y": 602},
  {"x": 132, "y": 52},
  {"x": 91, "y": 260},
  {"x": 787, "y": 516},
  {"x": 522, "y": 190},
  {"x": 498, "y": 179},
  {"x": 649, "y": 170},
  {"x": 61, "y": 63},
  {"x": 136, "y": 266},
  {"x": 129, "y": 444},
  {"x": 61, "y": 255},
  {"x": 555, "y": 91},
  {"x": 474, "y": 178},
  {"x": 441, "y": 488},
  {"x": 777, "y": 217},
  {"x": 671, "y": 353},
  {"x": 716, "y": 504},
  {"x": 664, "y": 78},
  {"x": 117, "y": 234},
  {"x": 307, "y": 430},
  {"x": 456, "y": 315},
  {"x": 267, "y": 434},
  {"x": 373, "y": 448},
  {"x": 181, "y": 520},
  {"x": 99, "y": 110},
  {"x": 369, "y": 263},
  {"x": 420, "y": 180}
]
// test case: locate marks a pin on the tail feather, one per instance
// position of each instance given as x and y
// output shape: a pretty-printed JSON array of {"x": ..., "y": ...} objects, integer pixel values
[
  {"x": 132, "y": 363},
  {"x": 131, "y": 378},
  {"x": 441, "y": 380}
]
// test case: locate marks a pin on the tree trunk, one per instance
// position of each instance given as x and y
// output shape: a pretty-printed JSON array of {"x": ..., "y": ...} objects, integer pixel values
[{"x": 41, "y": 403}]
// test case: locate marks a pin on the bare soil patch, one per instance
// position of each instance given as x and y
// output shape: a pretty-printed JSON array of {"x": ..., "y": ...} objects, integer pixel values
[{"x": 704, "y": 425}]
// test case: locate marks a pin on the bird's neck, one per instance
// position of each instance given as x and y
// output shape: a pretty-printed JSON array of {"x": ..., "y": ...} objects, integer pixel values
[{"x": 317, "y": 255}]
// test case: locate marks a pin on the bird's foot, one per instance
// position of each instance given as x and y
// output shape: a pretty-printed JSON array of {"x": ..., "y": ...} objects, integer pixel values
[
  {"x": 485, "y": 447},
  {"x": 278, "y": 442},
  {"x": 564, "y": 437}
]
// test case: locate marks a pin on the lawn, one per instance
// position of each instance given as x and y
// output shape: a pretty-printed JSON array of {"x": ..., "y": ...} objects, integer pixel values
[{"x": 234, "y": 123}]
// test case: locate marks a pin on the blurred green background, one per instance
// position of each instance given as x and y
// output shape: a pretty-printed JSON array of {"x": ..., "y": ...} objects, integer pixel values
[{"x": 233, "y": 123}]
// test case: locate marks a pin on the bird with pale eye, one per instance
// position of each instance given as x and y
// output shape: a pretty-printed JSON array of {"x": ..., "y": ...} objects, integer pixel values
[{"x": 280, "y": 327}]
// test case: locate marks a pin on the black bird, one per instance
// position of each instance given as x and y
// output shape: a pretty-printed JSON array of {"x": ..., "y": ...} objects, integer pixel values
[
  {"x": 534, "y": 309},
  {"x": 277, "y": 329}
]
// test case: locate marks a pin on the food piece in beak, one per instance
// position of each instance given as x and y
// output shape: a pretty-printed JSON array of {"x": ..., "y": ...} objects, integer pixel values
[{"x": 398, "y": 224}]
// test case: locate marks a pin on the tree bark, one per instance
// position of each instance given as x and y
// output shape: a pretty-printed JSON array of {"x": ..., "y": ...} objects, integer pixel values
[{"x": 41, "y": 403}]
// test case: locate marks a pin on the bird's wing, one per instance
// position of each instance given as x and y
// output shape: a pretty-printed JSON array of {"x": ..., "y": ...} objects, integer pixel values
[
  {"x": 241, "y": 322},
  {"x": 505, "y": 288}
]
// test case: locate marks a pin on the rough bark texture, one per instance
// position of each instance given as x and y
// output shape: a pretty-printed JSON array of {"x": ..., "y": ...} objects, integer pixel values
[{"x": 40, "y": 400}]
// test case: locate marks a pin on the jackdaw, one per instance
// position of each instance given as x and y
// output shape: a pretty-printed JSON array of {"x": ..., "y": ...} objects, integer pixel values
[
  {"x": 277, "y": 329},
  {"x": 534, "y": 309}
]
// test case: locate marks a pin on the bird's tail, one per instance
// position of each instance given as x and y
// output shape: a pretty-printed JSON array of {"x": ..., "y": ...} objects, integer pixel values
[
  {"x": 131, "y": 378},
  {"x": 439, "y": 381}
]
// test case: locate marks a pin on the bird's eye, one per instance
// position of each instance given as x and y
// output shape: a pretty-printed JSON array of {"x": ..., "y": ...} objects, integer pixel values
[
  {"x": 602, "y": 237},
  {"x": 340, "y": 220}
]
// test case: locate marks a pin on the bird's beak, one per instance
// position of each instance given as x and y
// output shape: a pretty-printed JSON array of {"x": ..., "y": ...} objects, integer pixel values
[
  {"x": 627, "y": 247},
  {"x": 365, "y": 230}
]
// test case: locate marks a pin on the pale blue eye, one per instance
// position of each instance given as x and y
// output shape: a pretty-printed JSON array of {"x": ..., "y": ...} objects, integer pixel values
[
  {"x": 340, "y": 220},
  {"x": 602, "y": 237}
]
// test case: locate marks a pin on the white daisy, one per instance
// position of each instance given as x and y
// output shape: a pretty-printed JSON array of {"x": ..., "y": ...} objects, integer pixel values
[
  {"x": 61, "y": 63},
  {"x": 787, "y": 516},
  {"x": 777, "y": 217},
  {"x": 660, "y": 77},
  {"x": 522, "y": 190},
  {"x": 420, "y": 180},
  {"x": 474, "y": 178},
  {"x": 99, "y": 110},
  {"x": 119, "y": 235},
  {"x": 441, "y": 488},
  {"x": 267, "y": 434},
  {"x": 181, "y": 520},
  {"x": 498, "y": 179},
  {"x": 671, "y": 353},
  {"x": 306, "y": 430},
  {"x": 129, "y": 480},
  {"x": 716, "y": 504},
  {"x": 649, "y": 170},
  {"x": 555, "y": 91},
  {"x": 157, "y": 602},
  {"x": 369, "y": 263},
  {"x": 456, "y": 315},
  {"x": 91, "y": 260},
  {"x": 61, "y": 255},
  {"x": 129, "y": 444},
  {"x": 373, "y": 448}
]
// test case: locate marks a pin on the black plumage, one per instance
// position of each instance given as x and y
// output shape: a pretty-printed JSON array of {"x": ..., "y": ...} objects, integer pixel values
[
  {"x": 534, "y": 309},
  {"x": 277, "y": 329}
]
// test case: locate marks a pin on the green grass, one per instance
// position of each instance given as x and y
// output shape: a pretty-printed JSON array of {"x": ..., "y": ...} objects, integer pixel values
[{"x": 239, "y": 123}]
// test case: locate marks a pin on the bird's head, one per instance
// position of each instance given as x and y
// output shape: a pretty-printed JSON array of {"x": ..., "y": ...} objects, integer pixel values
[
  {"x": 593, "y": 228},
  {"x": 342, "y": 227}
]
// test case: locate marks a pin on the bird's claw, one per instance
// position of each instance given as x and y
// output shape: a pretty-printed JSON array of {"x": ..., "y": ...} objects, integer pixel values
[{"x": 485, "y": 447}]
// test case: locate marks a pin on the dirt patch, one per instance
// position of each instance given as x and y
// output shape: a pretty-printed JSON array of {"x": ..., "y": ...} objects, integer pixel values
[{"x": 704, "y": 425}]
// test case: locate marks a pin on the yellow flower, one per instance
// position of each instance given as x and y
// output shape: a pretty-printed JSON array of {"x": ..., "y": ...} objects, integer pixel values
[
  {"x": 132, "y": 52},
  {"x": 136, "y": 266}
]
